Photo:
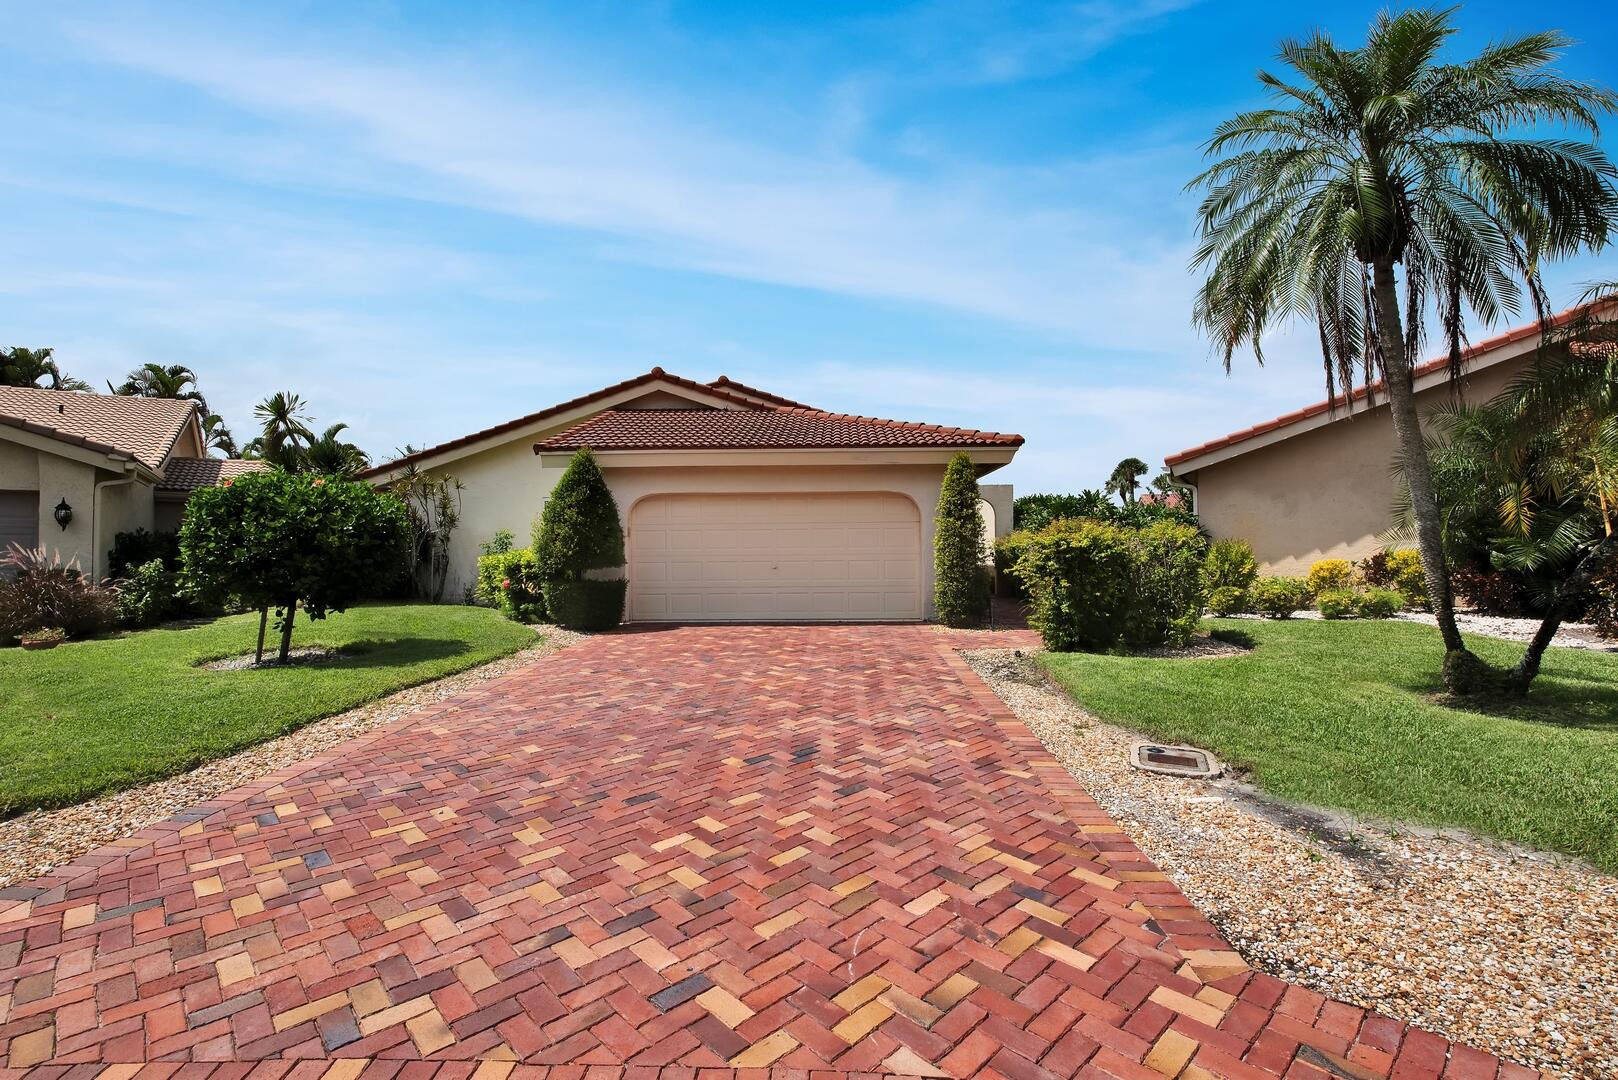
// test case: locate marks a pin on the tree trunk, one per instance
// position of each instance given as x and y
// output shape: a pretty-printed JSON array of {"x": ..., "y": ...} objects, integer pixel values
[
  {"x": 263, "y": 622},
  {"x": 286, "y": 630},
  {"x": 1418, "y": 471},
  {"x": 1561, "y": 607}
]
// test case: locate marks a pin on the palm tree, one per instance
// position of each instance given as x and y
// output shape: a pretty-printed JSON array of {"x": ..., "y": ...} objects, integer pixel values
[
  {"x": 176, "y": 382},
  {"x": 1383, "y": 171},
  {"x": 218, "y": 437},
  {"x": 333, "y": 457},
  {"x": 26, "y": 367},
  {"x": 286, "y": 429},
  {"x": 1125, "y": 478}
]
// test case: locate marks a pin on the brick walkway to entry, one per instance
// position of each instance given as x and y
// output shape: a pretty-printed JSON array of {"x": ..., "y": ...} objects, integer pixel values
[{"x": 802, "y": 848}]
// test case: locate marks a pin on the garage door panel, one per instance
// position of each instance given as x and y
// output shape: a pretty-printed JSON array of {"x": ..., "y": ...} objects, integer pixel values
[{"x": 738, "y": 557}]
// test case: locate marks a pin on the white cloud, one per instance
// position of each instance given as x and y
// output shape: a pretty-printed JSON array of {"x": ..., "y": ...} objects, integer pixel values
[{"x": 671, "y": 190}]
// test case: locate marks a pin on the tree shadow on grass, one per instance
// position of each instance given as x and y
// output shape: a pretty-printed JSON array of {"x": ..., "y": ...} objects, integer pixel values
[
  {"x": 353, "y": 655},
  {"x": 1582, "y": 702}
]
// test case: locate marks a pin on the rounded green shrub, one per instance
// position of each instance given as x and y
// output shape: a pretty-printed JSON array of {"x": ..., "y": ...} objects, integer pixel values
[
  {"x": 579, "y": 531},
  {"x": 1277, "y": 597},
  {"x": 1230, "y": 565},
  {"x": 959, "y": 584},
  {"x": 509, "y": 580},
  {"x": 147, "y": 594},
  {"x": 1337, "y": 603},
  {"x": 1381, "y": 603},
  {"x": 586, "y": 604},
  {"x": 1227, "y": 600},
  {"x": 1007, "y": 550}
]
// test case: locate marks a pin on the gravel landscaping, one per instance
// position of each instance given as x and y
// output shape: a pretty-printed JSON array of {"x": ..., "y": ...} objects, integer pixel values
[
  {"x": 35, "y": 843},
  {"x": 1507, "y": 627},
  {"x": 1510, "y": 950}
]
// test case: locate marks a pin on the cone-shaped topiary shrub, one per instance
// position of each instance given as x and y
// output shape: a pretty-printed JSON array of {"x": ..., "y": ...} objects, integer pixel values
[
  {"x": 960, "y": 583},
  {"x": 579, "y": 531}
]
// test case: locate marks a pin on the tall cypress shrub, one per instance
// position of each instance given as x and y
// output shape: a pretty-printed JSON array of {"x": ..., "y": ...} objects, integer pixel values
[
  {"x": 579, "y": 531},
  {"x": 960, "y": 585}
]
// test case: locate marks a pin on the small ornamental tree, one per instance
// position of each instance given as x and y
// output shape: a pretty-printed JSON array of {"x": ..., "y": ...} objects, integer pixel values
[
  {"x": 579, "y": 532},
  {"x": 959, "y": 582},
  {"x": 278, "y": 539}
]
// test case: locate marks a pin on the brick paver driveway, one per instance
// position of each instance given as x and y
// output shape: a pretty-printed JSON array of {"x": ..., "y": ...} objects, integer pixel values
[{"x": 796, "y": 847}]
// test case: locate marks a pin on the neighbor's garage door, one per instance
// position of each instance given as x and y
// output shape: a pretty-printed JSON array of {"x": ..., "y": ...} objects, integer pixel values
[
  {"x": 19, "y": 519},
  {"x": 739, "y": 558}
]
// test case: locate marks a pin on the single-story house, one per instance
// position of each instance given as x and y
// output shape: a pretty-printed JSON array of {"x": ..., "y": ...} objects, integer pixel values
[
  {"x": 1319, "y": 483},
  {"x": 77, "y": 469},
  {"x": 737, "y": 504}
]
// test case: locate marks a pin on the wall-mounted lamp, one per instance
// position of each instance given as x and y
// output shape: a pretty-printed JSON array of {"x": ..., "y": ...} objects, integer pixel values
[{"x": 63, "y": 514}]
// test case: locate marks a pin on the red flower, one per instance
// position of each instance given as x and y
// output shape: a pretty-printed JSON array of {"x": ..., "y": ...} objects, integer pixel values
[
  {"x": 320, "y": 481},
  {"x": 505, "y": 583},
  {"x": 226, "y": 483}
]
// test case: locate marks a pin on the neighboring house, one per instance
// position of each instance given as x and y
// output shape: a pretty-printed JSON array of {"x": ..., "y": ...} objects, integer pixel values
[
  {"x": 111, "y": 464},
  {"x": 737, "y": 504},
  {"x": 1319, "y": 483}
]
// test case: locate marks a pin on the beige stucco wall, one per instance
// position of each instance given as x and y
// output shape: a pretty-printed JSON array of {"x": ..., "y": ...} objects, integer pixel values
[
  {"x": 505, "y": 487},
  {"x": 1326, "y": 493},
  {"x": 85, "y": 541}
]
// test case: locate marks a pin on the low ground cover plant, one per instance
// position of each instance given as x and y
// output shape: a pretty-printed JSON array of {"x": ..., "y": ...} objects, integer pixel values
[{"x": 1337, "y": 603}]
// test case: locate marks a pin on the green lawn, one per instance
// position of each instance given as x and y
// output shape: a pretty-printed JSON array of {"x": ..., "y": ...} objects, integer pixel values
[
  {"x": 1344, "y": 714},
  {"x": 96, "y": 716}
]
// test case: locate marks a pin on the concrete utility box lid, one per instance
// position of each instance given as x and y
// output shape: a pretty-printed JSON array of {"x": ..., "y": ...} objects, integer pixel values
[{"x": 1186, "y": 761}]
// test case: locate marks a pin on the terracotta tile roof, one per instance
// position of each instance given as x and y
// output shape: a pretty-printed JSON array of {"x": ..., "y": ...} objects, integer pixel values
[
  {"x": 780, "y": 428},
  {"x": 142, "y": 429},
  {"x": 188, "y": 474},
  {"x": 1437, "y": 364},
  {"x": 657, "y": 374},
  {"x": 725, "y": 382}
]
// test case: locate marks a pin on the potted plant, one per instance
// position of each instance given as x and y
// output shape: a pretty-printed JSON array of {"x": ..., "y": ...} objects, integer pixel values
[{"x": 45, "y": 638}]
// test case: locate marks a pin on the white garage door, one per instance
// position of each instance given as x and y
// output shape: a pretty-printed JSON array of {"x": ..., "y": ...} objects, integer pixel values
[{"x": 774, "y": 558}]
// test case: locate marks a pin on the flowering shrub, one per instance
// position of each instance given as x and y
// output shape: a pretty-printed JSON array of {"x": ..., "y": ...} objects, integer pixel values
[
  {"x": 1330, "y": 575},
  {"x": 509, "y": 580},
  {"x": 1094, "y": 585}
]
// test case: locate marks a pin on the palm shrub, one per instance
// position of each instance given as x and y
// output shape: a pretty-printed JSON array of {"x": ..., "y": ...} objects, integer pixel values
[
  {"x": 579, "y": 533},
  {"x": 281, "y": 540},
  {"x": 1386, "y": 185},
  {"x": 960, "y": 586}
]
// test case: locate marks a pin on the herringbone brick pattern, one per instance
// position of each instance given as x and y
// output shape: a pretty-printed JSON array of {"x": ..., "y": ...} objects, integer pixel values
[{"x": 694, "y": 849}]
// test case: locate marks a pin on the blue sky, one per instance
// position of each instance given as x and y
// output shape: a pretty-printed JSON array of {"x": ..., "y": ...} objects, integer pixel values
[{"x": 428, "y": 218}]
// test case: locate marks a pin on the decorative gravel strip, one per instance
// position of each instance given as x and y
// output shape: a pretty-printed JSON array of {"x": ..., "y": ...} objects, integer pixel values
[
  {"x": 41, "y": 840},
  {"x": 1511, "y": 951},
  {"x": 1509, "y": 627}
]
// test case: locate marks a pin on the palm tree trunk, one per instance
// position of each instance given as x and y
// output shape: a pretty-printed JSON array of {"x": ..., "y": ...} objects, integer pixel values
[
  {"x": 1417, "y": 470},
  {"x": 1567, "y": 594}
]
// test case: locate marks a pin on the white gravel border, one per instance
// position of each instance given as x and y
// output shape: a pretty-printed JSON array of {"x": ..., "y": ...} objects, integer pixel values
[
  {"x": 1511, "y": 951},
  {"x": 39, "y": 841}
]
